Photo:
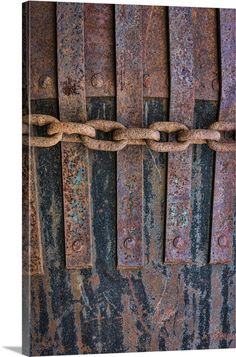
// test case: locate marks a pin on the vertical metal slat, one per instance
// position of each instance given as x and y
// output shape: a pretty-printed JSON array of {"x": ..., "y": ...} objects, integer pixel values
[
  {"x": 129, "y": 54},
  {"x": 178, "y": 214},
  {"x": 72, "y": 107},
  {"x": 224, "y": 185}
]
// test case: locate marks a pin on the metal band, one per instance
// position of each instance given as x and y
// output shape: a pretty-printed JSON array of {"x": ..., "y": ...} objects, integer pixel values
[
  {"x": 205, "y": 54},
  {"x": 43, "y": 69},
  {"x": 129, "y": 113},
  {"x": 75, "y": 162},
  {"x": 224, "y": 185},
  {"x": 178, "y": 214},
  {"x": 99, "y": 50},
  {"x": 31, "y": 244},
  {"x": 155, "y": 52}
]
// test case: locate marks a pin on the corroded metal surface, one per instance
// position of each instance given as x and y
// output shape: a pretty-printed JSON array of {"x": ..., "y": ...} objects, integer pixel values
[
  {"x": 129, "y": 52},
  {"x": 178, "y": 211},
  {"x": 100, "y": 310},
  {"x": 43, "y": 69},
  {"x": 205, "y": 54},
  {"x": 155, "y": 52},
  {"x": 160, "y": 307},
  {"x": 224, "y": 186},
  {"x": 99, "y": 49},
  {"x": 31, "y": 245},
  {"x": 75, "y": 161}
]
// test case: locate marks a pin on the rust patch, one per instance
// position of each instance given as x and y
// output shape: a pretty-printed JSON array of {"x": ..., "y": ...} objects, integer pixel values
[
  {"x": 178, "y": 211},
  {"x": 75, "y": 161},
  {"x": 32, "y": 259},
  {"x": 224, "y": 186},
  {"x": 129, "y": 113}
]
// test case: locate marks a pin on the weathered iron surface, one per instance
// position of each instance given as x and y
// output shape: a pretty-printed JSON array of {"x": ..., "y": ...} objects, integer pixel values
[
  {"x": 75, "y": 160},
  {"x": 129, "y": 52},
  {"x": 161, "y": 307},
  {"x": 99, "y": 49},
  {"x": 155, "y": 52},
  {"x": 32, "y": 261},
  {"x": 178, "y": 211},
  {"x": 31, "y": 245},
  {"x": 224, "y": 186},
  {"x": 43, "y": 69},
  {"x": 205, "y": 54}
]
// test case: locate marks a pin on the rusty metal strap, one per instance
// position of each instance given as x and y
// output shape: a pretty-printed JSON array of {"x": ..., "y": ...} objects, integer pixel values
[
  {"x": 224, "y": 184},
  {"x": 182, "y": 99},
  {"x": 75, "y": 160},
  {"x": 86, "y": 133}
]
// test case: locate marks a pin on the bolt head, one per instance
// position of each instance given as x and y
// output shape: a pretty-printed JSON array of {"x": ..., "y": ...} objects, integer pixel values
[
  {"x": 222, "y": 241},
  {"x": 77, "y": 246},
  {"x": 97, "y": 80},
  {"x": 129, "y": 243},
  {"x": 45, "y": 82},
  {"x": 179, "y": 243}
]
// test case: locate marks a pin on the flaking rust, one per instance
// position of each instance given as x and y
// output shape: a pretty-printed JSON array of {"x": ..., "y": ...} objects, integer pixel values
[
  {"x": 178, "y": 210},
  {"x": 75, "y": 160},
  {"x": 32, "y": 259},
  {"x": 224, "y": 185},
  {"x": 129, "y": 52}
]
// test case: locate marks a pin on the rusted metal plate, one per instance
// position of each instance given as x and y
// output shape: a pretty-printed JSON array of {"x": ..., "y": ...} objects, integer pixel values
[
  {"x": 178, "y": 212},
  {"x": 224, "y": 185},
  {"x": 205, "y": 54},
  {"x": 31, "y": 245},
  {"x": 99, "y": 50},
  {"x": 155, "y": 52},
  {"x": 75, "y": 161},
  {"x": 129, "y": 52},
  {"x": 42, "y": 49}
]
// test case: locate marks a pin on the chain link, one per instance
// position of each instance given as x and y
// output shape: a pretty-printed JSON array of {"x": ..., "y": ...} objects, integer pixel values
[{"x": 121, "y": 136}]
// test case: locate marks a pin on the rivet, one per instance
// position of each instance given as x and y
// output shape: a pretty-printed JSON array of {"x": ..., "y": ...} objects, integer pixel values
[
  {"x": 45, "y": 82},
  {"x": 179, "y": 243},
  {"x": 215, "y": 85},
  {"x": 129, "y": 243},
  {"x": 222, "y": 241},
  {"x": 146, "y": 80},
  {"x": 77, "y": 246},
  {"x": 97, "y": 80}
]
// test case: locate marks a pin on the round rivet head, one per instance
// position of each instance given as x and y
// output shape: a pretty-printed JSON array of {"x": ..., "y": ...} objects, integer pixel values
[
  {"x": 45, "y": 82},
  {"x": 222, "y": 241},
  {"x": 77, "y": 246},
  {"x": 146, "y": 80},
  {"x": 97, "y": 80},
  {"x": 178, "y": 243},
  {"x": 129, "y": 243}
]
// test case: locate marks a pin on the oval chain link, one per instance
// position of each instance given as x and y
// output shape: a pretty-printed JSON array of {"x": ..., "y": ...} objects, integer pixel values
[{"x": 85, "y": 133}]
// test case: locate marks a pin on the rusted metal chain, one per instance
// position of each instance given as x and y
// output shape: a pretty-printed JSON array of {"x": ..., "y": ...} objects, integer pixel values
[{"x": 85, "y": 133}]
